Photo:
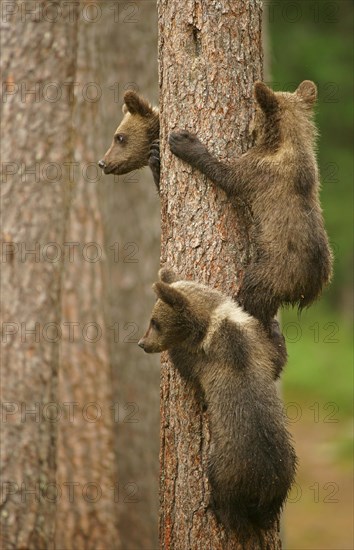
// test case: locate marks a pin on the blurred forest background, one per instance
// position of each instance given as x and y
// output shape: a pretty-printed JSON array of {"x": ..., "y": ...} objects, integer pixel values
[
  {"x": 117, "y": 50},
  {"x": 314, "y": 40}
]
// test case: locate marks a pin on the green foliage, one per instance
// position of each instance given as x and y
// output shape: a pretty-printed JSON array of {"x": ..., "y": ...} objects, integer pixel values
[{"x": 320, "y": 358}]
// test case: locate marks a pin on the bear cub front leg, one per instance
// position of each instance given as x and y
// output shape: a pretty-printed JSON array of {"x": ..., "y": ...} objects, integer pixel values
[
  {"x": 187, "y": 147},
  {"x": 154, "y": 162}
]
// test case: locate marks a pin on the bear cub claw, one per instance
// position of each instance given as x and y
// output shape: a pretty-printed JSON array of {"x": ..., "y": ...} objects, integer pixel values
[{"x": 154, "y": 162}]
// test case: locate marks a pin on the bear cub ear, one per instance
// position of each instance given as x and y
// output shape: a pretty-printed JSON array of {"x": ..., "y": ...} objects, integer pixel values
[
  {"x": 170, "y": 295},
  {"x": 167, "y": 275},
  {"x": 307, "y": 90},
  {"x": 265, "y": 97},
  {"x": 136, "y": 104}
]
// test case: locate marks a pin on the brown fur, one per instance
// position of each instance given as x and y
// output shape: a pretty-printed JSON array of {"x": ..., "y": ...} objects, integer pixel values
[
  {"x": 130, "y": 148},
  {"x": 278, "y": 180},
  {"x": 226, "y": 354}
]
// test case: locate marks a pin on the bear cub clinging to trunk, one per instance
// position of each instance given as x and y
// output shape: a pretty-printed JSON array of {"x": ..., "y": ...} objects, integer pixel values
[
  {"x": 227, "y": 356},
  {"x": 278, "y": 180}
]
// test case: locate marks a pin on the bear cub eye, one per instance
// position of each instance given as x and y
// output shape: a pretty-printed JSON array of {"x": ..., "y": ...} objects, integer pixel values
[
  {"x": 119, "y": 138},
  {"x": 155, "y": 324}
]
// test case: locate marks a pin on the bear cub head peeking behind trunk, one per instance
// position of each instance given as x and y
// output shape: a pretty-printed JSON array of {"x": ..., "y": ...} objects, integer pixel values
[{"x": 135, "y": 141}]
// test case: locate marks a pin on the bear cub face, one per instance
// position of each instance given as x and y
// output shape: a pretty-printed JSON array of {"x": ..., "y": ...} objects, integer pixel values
[
  {"x": 130, "y": 147},
  {"x": 180, "y": 316},
  {"x": 169, "y": 324},
  {"x": 166, "y": 328}
]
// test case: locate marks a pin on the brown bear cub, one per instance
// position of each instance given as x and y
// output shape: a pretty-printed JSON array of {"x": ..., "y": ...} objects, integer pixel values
[
  {"x": 135, "y": 142},
  {"x": 227, "y": 356},
  {"x": 278, "y": 180}
]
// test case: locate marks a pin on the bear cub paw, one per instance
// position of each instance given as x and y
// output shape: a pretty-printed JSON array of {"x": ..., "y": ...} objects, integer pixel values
[{"x": 185, "y": 145}]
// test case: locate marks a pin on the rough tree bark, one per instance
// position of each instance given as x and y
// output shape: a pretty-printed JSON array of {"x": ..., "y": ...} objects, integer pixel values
[
  {"x": 210, "y": 54},
  {"x": 36, "y": 144},
  {"x": 87, "y": 517},
  {"x": 131, "y": 210}
]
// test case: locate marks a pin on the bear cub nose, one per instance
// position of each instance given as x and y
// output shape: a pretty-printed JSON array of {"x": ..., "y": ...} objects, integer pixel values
[
  {"x": 141, "y": 343},
  {"x": 101, "y": 164}
]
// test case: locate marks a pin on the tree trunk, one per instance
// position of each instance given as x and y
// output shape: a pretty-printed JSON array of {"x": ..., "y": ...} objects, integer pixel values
[
  {"x": 131, "y": 209},
  {"x": 87, "y": 516},
  {"x": 210, "y": 54},
  {"x": 36, "y": 114}
]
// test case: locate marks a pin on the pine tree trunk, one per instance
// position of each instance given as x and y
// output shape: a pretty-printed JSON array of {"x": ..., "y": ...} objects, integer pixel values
[
  {"x": 87, "y": 517},
  {"x": 210, "y": 54},
  {"x": 36, "y": 147}
]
